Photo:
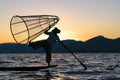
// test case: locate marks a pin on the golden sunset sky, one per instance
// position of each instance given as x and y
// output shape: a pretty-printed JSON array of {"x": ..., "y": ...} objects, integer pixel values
[{"x": 79, "y": 19}]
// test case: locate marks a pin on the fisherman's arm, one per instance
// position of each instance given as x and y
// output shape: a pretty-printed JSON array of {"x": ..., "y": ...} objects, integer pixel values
[
  {"x": 46, "y": 32},
  {"x": 59, "y": 41}
]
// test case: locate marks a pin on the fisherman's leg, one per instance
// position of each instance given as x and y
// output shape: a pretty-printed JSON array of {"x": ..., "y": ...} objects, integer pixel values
[
  {"x": 48, "y": 57},
  {"x": 36, "y": 45}
]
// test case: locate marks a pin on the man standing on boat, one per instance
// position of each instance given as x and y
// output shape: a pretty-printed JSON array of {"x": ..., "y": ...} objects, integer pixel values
[{"x": 48, "y": 43}]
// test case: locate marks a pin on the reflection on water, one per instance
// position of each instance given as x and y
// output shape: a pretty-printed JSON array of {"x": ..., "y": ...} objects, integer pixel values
[
  {"x": 102, "y": 66},
  {"x": 43, "y": 75}
]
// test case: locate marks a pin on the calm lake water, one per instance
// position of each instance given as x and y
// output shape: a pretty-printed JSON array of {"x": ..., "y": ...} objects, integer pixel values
[{"x": 101, "y": 66}]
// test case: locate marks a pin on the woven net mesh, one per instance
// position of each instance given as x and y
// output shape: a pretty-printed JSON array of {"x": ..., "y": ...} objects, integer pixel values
[{"x": 26, "y": 28}]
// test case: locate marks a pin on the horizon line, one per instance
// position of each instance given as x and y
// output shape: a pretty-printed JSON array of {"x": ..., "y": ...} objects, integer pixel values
[{"x": 73, "y": 39}]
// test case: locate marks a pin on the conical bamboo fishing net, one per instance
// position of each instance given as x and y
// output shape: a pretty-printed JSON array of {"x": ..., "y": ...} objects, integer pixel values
[{"x": 26, "y": 28}]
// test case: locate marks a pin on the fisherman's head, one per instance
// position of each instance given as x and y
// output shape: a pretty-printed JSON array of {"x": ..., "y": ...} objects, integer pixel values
[{"x": 56, "y": 30}]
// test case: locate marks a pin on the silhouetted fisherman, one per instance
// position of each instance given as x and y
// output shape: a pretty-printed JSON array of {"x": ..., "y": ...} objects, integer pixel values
[{"x": 48, "y": 43}]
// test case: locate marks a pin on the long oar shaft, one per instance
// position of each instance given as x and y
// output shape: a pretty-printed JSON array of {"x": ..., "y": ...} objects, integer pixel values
[{"x": 74, "y": 55}]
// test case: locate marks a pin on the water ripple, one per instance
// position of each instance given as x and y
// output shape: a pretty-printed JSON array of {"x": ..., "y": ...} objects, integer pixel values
[{"x": 102, "y": 66}]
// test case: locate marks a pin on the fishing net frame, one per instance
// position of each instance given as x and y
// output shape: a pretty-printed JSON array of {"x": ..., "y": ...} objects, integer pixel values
[{"x": 24, "y": 29}]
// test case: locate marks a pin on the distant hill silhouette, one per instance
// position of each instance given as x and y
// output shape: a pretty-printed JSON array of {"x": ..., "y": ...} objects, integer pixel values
[
  {"x": 101, "y": 44},
  {"x": 97, "y": 44}
]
